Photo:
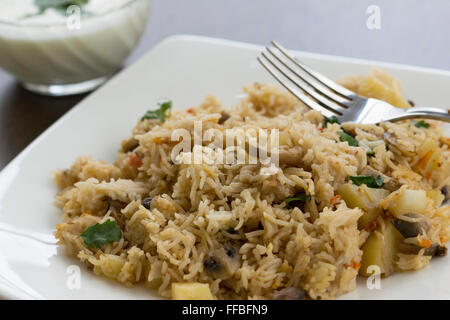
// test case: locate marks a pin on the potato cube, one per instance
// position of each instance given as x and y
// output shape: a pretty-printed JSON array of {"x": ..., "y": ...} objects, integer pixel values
[
  {"x": 372, "y": 253},
  {"x": 392, "y": 240},
  {"x": 408, "y": 201},
  {"x": 381, "y": 250},
  {"x": 191, "y": 291},
  {"x": 368, "y": 199}
]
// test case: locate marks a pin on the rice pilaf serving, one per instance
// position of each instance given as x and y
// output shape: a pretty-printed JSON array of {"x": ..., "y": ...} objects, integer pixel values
[{"x": 345, "y": 200}]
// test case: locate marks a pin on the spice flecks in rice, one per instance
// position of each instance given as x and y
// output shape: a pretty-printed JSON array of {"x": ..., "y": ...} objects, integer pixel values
[{"x": 196, "y": 209}]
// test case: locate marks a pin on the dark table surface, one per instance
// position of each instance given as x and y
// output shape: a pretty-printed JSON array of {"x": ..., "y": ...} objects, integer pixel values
[{"x": 412, "y": 32}]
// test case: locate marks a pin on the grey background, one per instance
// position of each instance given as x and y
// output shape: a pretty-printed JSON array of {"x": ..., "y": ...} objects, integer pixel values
[{"x": 412, "y": 32}]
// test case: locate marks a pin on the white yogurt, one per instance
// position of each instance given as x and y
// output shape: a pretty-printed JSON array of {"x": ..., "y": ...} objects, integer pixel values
[{"x": 53, "y": 49}]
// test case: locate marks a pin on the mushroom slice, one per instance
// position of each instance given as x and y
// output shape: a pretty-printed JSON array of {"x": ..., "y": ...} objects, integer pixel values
[
  {"x": 224, "y": 117},
  {"x": 116, "y": 206},
  {"x": 129, "y": 144},
  {"x": 222, "y": 263},
  {"x": 291, "y": 293},
  {"x": 289, "y": 157},
  {"x": 390, "y": 184},
  {"x": 146, "y": 203},
  {"x": 392, "y": 142},
  {"x": 412, "y": 227},
  {"x": 446, "y": 192},
  {"x": 435, "y": 250}
]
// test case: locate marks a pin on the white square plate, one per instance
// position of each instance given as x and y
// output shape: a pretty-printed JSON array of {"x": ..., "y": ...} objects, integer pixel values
[{"x": 184, "y": 68}]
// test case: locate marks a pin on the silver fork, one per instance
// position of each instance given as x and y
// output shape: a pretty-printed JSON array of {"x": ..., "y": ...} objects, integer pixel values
[{"x": 331, "y": 99}]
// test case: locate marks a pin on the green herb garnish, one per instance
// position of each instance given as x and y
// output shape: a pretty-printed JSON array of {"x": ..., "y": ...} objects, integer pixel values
[
  {"x": 369, "y": 152},
  {"x": 370, "y": 181},
  {"x": 333, "y": 119},
  {"x": 299, "y": 197},
  {"x": 101, "y": 234},
  {"x": 60, "y": 6},
  {"x": 421, "y": 124},
  {"x": 345, "y": 137},
  {"x": 159, "y": 113}
]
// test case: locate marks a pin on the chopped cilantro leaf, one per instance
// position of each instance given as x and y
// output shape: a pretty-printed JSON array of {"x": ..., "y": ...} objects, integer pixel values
[
  {"x": 421, "y": 124},
  {"x": 160, "y": 113},
  {"x": 345, "y": 137},
  {"x": 101, "y": 234},
  {"x": 370, "y": 181},
  {"x": 299, "y": 197},
  {"x": 333, "y": 119}
]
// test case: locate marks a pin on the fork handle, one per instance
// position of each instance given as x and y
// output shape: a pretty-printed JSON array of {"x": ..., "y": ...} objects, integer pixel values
[{"x": 427, "y": 113}]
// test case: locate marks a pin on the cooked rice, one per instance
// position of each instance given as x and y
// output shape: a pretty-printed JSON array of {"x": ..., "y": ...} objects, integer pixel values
[{"x": 198, "y": 208}]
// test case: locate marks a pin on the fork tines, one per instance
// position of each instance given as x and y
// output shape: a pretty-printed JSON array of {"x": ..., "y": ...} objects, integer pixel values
[{"x": 313, "y": 89}]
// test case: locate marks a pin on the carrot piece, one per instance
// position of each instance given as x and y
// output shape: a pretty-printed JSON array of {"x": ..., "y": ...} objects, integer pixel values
[
  {"x": 335, "y": 199},
  {"x": 425, "y": 243},
  {"x": 135, "y": 161},
  {"x": 356, "y": 265}
]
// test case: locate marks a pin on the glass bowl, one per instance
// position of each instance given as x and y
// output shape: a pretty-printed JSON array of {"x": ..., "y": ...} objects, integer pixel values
[{"x": 73, "y": 54}]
